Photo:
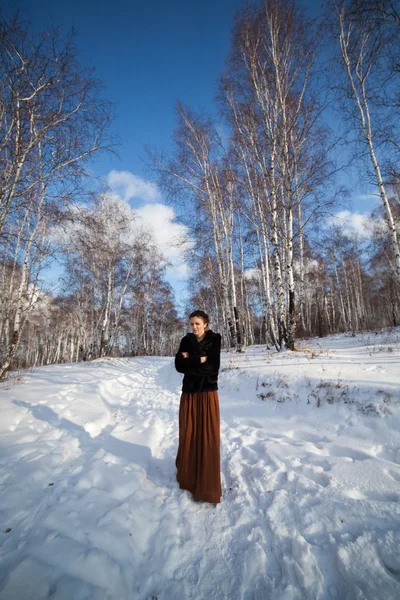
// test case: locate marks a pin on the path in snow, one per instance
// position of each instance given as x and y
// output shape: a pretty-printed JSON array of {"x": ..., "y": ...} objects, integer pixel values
[{"x": 311, "y": 496}]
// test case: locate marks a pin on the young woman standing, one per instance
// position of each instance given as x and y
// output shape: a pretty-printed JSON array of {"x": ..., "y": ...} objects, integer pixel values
[{"x": 198, "y": 458}]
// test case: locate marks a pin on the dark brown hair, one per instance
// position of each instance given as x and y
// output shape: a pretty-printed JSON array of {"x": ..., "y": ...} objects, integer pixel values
[{"x": 201, "y": 314}]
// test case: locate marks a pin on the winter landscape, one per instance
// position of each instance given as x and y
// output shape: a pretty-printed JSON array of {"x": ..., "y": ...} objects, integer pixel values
[
  {"x": 240, "y": 161},
  {"x": 90, "y": 508}
]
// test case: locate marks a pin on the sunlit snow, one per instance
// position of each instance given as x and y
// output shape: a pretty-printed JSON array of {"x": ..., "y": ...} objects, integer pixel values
[{"x": 90, "y": 508}]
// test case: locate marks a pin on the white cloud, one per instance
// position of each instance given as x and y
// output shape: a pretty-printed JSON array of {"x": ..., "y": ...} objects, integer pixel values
[
  {"x": 373, "y": 197},
  {"x": 129, "y": 186},
  {"x": 171, "y": 237},
  {"x": 308, "y": 265},
  {"x": 353, "y": 222},
  {"x": 252, "y": 273}
]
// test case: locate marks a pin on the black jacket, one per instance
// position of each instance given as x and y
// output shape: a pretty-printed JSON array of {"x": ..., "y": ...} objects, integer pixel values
[{"x": 199, "y": 377}]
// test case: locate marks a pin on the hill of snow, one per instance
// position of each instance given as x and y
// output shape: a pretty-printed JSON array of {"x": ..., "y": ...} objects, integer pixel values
[{"x": 90, "y": 509}]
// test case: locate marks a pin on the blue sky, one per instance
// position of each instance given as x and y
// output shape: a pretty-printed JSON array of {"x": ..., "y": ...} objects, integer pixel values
[{"x": 149, "y": 55}]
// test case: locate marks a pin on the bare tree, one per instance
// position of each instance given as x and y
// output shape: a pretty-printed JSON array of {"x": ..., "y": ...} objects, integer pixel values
[
  {"x": 272, "y": 104},
  {"x": 52, "y": 116},
  {"x": 198, "y": 173},
  {"x": 363, "y": 45},
  {"x": 52, "y": 121}
]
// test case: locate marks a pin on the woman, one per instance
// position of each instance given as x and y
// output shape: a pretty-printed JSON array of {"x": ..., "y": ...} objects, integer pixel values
[{"x": 198, "y": 458}]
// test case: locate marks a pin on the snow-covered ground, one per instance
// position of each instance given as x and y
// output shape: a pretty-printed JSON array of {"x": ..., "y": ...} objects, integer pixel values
[{"x": 90, "y": 509}]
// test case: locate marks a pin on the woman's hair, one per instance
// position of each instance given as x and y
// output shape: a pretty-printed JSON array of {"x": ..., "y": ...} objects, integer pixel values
[{"x": 201, "y": 314}]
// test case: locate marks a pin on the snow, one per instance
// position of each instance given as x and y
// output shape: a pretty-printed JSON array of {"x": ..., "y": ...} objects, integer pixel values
[{"x": 90, "y": 509}]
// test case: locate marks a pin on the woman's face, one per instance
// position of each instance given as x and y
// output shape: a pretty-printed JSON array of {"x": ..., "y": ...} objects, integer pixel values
[{"x": 198, "y": 326}]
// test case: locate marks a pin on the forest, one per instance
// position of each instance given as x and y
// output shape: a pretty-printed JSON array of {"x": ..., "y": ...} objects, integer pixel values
[{"x": 301, "y": 101}]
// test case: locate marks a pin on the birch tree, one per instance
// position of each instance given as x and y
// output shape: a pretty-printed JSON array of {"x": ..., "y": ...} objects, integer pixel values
[
  {"x": 106, "y": 253},
  {"x": 197, "y": 172},
  {"x": 52, "y": 121},
  {"x": 363, "y": 42},
  {"x": 272, "y": 104},
  {"x": 51, "y": 106}
]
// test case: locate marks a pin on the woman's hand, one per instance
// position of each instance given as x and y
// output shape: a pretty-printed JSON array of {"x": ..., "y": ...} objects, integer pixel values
[
  {"x": 185, "y": 354},
  {"x": 203, "y": 359}
]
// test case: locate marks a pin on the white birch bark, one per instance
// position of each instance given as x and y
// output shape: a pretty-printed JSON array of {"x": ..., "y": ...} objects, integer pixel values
[{"x": 358, "y": 77}]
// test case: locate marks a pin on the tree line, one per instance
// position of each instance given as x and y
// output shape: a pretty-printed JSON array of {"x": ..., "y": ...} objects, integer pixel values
[
  {"x": 299, "y": 100},
  {"x": 53, "y": 120}
]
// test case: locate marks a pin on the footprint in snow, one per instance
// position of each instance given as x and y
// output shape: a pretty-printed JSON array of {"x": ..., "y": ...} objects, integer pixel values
[
  {"x": 349, "y": 453},
  {"x": 393, "y": 474},
  {"x": 306, "y": 436},
  {"x": 315, "y": 474}
]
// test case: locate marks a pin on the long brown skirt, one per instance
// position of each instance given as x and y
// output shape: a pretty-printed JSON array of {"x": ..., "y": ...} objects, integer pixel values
[{"x": 198, "y": 458}]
